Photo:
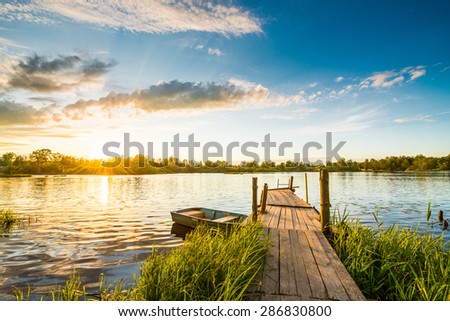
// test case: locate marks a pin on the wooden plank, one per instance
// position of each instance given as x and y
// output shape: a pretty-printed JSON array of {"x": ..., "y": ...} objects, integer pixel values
[
  {"x": 274, "y": 223},
  {"x": 287, "y": 274},
  {"x": 193, "y": 213},
  {"x": 289, "y": 223},
  {"x": 316, "y": 284},
  {"x": 226, "y": 218},
  {"x": 311, "y": 222},
  {"x": 344, "y": 277},
  {"x": 334, "y": 287},
  {"x": 271, "y": 276},
  {"x": 299, "y": 223},
  {"x": 300, "y": 273},
  {"x": 285, "y": 197},
  {"x": 270, "y": 297}
]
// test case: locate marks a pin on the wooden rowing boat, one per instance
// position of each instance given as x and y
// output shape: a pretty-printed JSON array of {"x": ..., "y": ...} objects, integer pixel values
[{"x": 193, "y": 216}]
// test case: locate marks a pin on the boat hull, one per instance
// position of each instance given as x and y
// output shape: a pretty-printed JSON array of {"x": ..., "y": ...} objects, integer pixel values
[{"x": 192, "y": 217}]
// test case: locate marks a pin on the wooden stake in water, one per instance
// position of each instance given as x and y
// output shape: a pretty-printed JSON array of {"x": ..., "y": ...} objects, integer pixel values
[
  {"x": 264, "y": 198},
  {"x": 306, "y": 188},
  {"x": 325, "y": 202},
  {"x": 254, "y": 199},
  {"x": 291, "y": 183}
]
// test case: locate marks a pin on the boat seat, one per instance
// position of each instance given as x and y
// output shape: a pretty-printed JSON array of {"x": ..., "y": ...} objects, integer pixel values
[
  {"x": 226, "y": 218},
  {"x": 194, "y": 213}
]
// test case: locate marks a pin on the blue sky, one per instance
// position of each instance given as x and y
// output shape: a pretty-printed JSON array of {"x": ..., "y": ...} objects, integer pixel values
[{"x": 376, "y": 74}]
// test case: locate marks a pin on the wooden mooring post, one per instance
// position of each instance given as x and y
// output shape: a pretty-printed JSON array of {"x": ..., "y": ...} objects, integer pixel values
[
  {"x": 291, "y": 183},
  {"x": 254, "y": 199},
  {"x": 306, "y": 188},
  {"x": 264, "y": 198},
  {"x": 325, "y": 202}
]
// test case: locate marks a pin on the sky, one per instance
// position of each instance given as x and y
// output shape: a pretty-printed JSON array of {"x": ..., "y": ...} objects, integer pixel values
[{"x": 77, "y": 74}]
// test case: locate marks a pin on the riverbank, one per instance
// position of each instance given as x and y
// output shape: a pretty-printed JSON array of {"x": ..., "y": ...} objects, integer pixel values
[
  {"x": 14, "y": 175},
  {"x": 392, "y": 263},
  {"x": 46, "y": 162}
]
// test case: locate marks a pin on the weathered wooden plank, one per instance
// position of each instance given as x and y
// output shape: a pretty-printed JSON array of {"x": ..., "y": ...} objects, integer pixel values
[
  {"x": 267, "y": 217},
  {"x": 275, "y": 222},
  {"x": 271, "y": 276},
  {"x": 334, "y": 287},
  {"x": 287, "y": 273},
  {"x": 317, "y": 286},
  {"x": 300, "y": 274},
  {"x": 349, "y": 284},
  {"x": 285, "y": 197},
  {"x": 310, "y": 219},
  {"x": 299, "y": 223},
  {"x": 289, "y": 223},
  {"x": 290, "y": 298},
  {"x": 270, "y": 297}
]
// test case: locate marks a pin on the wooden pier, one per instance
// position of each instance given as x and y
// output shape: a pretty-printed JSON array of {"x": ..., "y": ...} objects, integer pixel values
[{"x": 300, "y": 263}]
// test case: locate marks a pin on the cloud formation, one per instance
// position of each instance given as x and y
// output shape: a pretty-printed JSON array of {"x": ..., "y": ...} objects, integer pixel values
[
  {"x": 174, "y": 95},
  {"x": 215, "y": 52},
  {"x": 418, "y": 118},
  {"x": 41, "y": 74},
  {"x": 151, "y": 16},
  {"x": 387, "y": 79},
  {"x": 12, "y": 113}
]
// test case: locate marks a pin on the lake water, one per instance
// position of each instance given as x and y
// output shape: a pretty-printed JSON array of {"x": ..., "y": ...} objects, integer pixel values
[{"x": 109, "y": 225}]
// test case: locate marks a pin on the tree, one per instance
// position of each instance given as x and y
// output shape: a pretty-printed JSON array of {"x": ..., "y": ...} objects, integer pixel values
[
  {"x": 8, "y": 159},
  {"x": 40, "y": 157}
]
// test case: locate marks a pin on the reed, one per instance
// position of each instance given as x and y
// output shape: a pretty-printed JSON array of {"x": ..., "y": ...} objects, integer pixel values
[
  {"x": 7, "y": 221},
  {"x": 389, "y": 263},
  {"x": 212, "y": 265}
]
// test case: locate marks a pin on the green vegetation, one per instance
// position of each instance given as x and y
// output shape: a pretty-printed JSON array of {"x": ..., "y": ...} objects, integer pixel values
[
  {"x": 45, "y": 162},
  {"x": 7, "y": 221},
  {"x": 14, "y": 175},
  {"x": 392, "y": 263},
  {"x": 212, "y": 265}
]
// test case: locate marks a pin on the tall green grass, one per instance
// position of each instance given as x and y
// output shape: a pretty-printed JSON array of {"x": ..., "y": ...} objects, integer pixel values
[
  {"x": 212, "y": 265},
  {"x": 392, "y": 263},
  {"x": 7, "y": 221}
]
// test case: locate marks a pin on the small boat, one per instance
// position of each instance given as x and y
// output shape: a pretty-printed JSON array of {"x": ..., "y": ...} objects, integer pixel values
[{"x": 193, "y": 216}]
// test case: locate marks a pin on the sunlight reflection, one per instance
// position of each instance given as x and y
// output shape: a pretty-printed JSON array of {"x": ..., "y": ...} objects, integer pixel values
[{"x": 105, "y": 190}]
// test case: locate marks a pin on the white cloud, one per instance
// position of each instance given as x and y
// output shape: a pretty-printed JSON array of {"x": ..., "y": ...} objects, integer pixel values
[
  {"x": 199, "y": 47},
  {"x": 417, "y": 73},
  {"x": 174, "y": 95},
  {"x": 150, "y": 16},
  {"x": 388, "y": 79},
  {"x": 339, "y": 79},
  {"x": 9, "y": 43},
  {"x": 444, "y": 69},
  {"x": 352, "y": 120},
  {"x": 42, "y": 74},
  {"x": 418, "y": 118},
  {"x": 214, "y": 52}
]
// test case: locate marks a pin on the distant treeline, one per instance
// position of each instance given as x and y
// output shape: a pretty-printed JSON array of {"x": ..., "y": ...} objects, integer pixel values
[{"x": 45, "y": 162}]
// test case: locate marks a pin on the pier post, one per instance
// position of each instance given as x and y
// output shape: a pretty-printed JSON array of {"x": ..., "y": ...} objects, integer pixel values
[
  {"x": 441, "y": 216},
  {"x": 291, "y": 183},
  {"x": 264, "y": 198},
  {"x": 306, "y": 188},
  {"x": 325, "y": 202},
  {"x": 254, "y": 199}
]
